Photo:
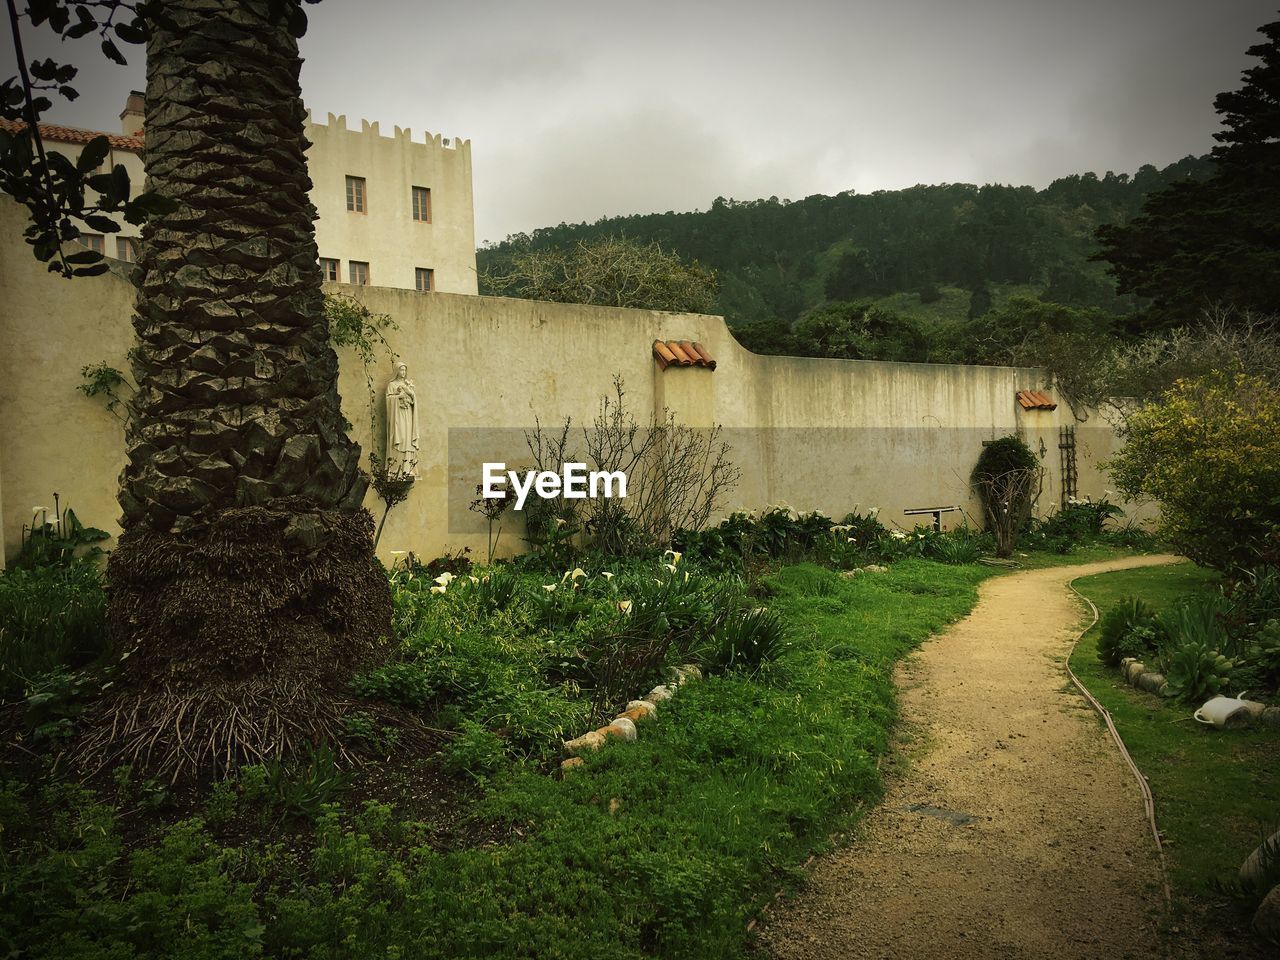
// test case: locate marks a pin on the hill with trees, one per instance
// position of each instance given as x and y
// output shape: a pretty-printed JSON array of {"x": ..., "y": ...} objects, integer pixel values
[{"x": 926, "y": 260}]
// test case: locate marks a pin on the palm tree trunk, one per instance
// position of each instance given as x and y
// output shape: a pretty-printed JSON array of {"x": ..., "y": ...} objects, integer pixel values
[{"x": 244, "y": 589}]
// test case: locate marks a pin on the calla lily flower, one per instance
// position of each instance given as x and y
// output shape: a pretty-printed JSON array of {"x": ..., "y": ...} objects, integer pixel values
[
  {"x": 607, "y": 575},
  {"x": 445, "y": 579},
  {"x": 624, "y": 606},
  {"x": 549, "y": 587}
]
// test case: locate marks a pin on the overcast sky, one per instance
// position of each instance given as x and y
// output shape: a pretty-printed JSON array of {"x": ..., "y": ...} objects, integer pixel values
[{"x": 577, "y": 110}]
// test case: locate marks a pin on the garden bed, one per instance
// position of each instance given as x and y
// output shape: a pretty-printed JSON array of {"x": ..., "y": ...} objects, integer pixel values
[{"x": 1216, "y": 792}]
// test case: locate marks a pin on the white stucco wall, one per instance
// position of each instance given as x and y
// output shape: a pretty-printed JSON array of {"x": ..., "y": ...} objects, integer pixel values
[
  {"x": 833, "y": 435},
  {"x": 386, "y": 236}
]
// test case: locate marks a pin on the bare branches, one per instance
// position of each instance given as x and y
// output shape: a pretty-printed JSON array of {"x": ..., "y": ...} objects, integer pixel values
[
  {"x": 676, "y": 475},
  {"x": 612, "y": 271}
]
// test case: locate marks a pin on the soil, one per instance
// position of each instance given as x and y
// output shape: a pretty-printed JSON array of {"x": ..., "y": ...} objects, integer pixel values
[{"x": 1014, "y": 828}]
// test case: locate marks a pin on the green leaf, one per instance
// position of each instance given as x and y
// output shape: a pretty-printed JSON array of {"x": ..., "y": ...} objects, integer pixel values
[
  {"x": 83, "y": 256},
  {"x": 94, "y": 152},
  {"x": 112, "y": 52}
]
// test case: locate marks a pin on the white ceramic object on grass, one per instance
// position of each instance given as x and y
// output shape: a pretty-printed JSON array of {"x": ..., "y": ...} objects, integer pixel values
[{"x": 1225, "y": 713}]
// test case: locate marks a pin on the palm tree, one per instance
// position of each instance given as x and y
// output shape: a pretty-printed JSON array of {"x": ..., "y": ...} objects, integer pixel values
[{"x": 244, "y": 589}]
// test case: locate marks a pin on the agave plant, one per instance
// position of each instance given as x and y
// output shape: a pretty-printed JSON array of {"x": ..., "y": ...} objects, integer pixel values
[{"x": 1196, "y": 671}]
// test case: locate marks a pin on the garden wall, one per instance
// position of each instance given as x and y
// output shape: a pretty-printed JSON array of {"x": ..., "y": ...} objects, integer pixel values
[{"x": 816, "y": 434}]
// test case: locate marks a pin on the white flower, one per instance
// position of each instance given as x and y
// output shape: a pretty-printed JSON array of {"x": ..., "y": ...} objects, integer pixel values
[
  {"x": 669, "y": 566},
  {"x": 438, "y": 589},
  {"x": 560, "y": 521},
  {"x": 873, "y": 511},
  {"x": 35, "y": 510},
  {"x": 624, "y": 606},
  {"x": 675, "y": 556},
  {"x": 607, "y": 575},
  {"x": 475, "y": 580},
  {"x": 445, "y": 579},
  {"x": 686, "y": 576},
  {"x": 897, "y": 534},
  {"x": 841, "y": 527},
  {"x": 853, "y": 540},
  {"x": 549, "y": 587}
]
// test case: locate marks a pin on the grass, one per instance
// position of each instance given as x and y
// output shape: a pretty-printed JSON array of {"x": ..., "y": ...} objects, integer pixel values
[
  {"x": 1215, "y": 791},
  {"x": 663, "y": 847}
]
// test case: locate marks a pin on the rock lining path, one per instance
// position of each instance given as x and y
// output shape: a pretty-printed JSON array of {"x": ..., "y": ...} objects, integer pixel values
[{"x": 1015, "y": 831}]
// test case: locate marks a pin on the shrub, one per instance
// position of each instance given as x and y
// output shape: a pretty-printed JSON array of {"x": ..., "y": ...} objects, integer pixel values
[
  {"x": 302, "y": 787},
  {"x": 746, "y": 641},
  {"x": 1262, "y": 656},
  {"x": 1080, "y": 521},
  {"x": 407, "y": 683},
  {"x": 1008, "y": 478},
  {"x": 49, "y": 617},
  {"x": 1127, "y": 630},
  {"x": 1195, "y": 671},
  {"x": 475, "y": 753},
  {"x": 1206, "y": 450}
]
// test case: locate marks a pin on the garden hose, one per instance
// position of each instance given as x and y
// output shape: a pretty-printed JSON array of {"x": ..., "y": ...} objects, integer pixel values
[{"x": 1148, "y": 800}]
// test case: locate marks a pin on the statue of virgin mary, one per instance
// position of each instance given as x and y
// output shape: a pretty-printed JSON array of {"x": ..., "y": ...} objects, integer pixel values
[{"x": 402, "y": 425}]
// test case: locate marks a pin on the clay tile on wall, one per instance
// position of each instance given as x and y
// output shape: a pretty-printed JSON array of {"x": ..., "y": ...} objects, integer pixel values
[
  {"x": 663, "y": 355},
  {"x": 1035, "y": 400},
  {"x": 682, "y": 353},
  {"x": 682, "y": 358}
]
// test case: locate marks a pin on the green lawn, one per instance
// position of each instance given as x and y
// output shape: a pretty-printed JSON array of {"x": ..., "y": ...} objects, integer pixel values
[
  {"x": 663, "y": 847},
  {"x": 1215, "y": 791}
]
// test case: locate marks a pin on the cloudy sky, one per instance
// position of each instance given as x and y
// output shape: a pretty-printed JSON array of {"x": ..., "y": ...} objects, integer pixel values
[{"x": 577, "y": 109}]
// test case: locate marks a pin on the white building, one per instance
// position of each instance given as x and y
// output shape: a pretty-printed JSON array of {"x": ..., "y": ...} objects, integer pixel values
[{"x": 393, "y": 212}]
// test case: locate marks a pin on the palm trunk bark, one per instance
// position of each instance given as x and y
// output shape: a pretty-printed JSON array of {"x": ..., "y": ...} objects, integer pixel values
[{"x": 244, "y": 589}]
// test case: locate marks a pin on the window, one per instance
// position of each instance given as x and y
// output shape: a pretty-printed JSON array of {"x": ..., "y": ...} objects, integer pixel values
[
  {"x": 424, "y": 279},
  {"x": 422, "y": 204},
  {"x": 126, "y": 249},
  {"x": 328, "y": 269},
  {"x": 359, "y": 272},
  {"x": 92, "y": 240},
  {"x": 355, "y": 194}
]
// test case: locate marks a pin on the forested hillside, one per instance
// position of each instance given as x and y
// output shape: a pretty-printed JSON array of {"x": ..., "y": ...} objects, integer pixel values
[{"x": 931, "y": 255}]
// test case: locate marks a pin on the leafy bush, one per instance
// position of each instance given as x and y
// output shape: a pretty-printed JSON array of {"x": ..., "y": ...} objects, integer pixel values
[
  {"x": 298, "y": 788},
  {"x": 475, "y": 752},
  {"x": 1262, "y": 656},
  {"x": 1200, "y": 619},
  {"x": 1206, "y": 450},
  {"x": 1127, "y": 630},
  {"x": 60, "y": 541},
  {"x": 746, "y": 641},
  {"x": 493, "y": 590},
  {"x": 407, "y": 683},
  {"x": 1007, "y": 477},
  {"x": 55, "y": 700},
  {"x": 49, "y": 617}
]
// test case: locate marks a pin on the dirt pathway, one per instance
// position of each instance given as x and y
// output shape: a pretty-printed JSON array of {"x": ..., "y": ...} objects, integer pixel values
[{"x": 1015, "y": 831}]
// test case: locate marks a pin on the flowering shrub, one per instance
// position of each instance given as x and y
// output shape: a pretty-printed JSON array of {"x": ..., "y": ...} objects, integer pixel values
[{"x": 1207, "y": 451}]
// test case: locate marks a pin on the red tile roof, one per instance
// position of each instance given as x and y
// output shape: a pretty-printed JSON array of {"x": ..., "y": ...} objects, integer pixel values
[
  {"x": 681, "y": 353},
  {"x": 57, "y": 134},
  {"x": 1036, "y": 400}
]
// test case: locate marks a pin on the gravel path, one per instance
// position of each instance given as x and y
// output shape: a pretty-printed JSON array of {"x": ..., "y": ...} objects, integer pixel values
[{"x": 1015, "y": 830}]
